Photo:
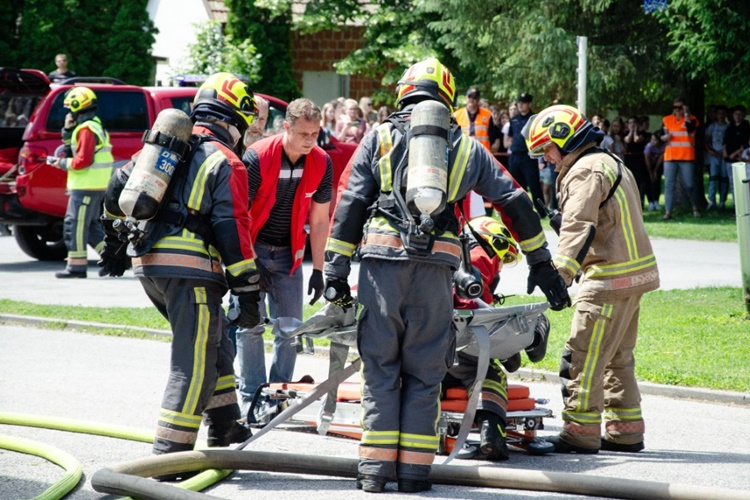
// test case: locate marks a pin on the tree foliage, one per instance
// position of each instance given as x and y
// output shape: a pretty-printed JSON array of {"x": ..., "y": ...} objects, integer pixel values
[
  {"x": 268, "y": 26},
  {"x": 636, "y": 61},
  {"x": 213, "y": 51},
  {"x": 112, "y": 38}
]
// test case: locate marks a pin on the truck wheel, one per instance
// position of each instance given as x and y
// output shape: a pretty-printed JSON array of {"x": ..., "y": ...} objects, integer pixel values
[{"x": 41, "y": 242}]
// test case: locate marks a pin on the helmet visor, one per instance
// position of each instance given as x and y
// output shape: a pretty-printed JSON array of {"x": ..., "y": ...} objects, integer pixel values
[{"x": 538, "y": 152}]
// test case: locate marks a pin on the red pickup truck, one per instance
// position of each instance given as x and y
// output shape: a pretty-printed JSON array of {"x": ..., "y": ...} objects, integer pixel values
[{"x": 32, "y": 194}]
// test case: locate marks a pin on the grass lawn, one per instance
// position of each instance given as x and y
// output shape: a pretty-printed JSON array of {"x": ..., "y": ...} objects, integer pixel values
[{"x": 697, "y": 337}]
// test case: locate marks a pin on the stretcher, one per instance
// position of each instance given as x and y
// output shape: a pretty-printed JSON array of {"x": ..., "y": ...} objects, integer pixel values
[
  {"x": 525, "y": 415},
  {"x": 334, "y": 405}
]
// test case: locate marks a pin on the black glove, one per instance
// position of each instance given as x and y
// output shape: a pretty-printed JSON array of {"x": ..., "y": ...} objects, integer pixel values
[
  {"x": 545, "y": 276},
  {"x": 249, "y": 315},
  {"x": 338, "y": 292},
  {"x": 114, "y": 259},
  {"x": 315, "y": 285}
]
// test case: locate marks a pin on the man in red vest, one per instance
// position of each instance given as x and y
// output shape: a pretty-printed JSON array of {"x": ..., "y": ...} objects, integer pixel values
[{"x": 290, "y": 180}]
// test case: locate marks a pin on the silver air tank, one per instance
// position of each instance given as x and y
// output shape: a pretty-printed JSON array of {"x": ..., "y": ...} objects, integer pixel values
[
  {"x": 164, "y": 146},
  {"x": 427, "y": 174}
]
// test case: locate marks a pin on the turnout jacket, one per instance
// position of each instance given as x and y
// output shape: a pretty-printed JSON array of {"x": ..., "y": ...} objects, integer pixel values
[
  {"x": 214, "y": 191},
  {"x": 608, "y": 244},
  {"x": 370, "y": 172}
]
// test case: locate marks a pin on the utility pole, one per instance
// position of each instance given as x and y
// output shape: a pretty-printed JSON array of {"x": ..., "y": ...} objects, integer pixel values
[{"x": 582, "y": 43}]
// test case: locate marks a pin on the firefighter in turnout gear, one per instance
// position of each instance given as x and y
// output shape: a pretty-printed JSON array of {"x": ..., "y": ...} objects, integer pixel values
[
  {"x": 492, "y": 248},
  {"x": 88, "y": 163},
  {"x": 405, "y": 335},
  {"x": 602, "y": 240},
  {"x": 178, "y": 256}
]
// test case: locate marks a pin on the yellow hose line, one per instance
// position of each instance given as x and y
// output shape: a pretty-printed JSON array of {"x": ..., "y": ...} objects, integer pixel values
[
  {"x": 196, "y": 483},
  {"x": 73, "y": 469}
]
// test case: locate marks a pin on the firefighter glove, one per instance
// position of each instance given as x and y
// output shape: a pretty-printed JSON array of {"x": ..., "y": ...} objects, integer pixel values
[
  {"x": 315, "y": 285},
  {"x": 249, "y": 315},
  {"x": 545, "y": 276},
  {"x": 114, "y": 259},
  {"x": 338, "y": 292}
]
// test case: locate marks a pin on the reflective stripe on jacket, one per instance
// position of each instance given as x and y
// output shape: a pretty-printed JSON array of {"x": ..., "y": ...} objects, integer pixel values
[
  {"x": 618, "y": 259},
  {"x": 481, "y": 125},
  {"x": 269, "y": 155},
  {"x": 214, "y": 188},
  {"x": 370, "y": 172},
  {"x": 681, "y": 146},
  {"x": 96, "y": 176}
]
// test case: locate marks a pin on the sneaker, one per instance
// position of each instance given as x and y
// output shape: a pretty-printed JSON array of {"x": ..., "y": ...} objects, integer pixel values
[
  {"x": 696, "y": 213},
  {"x": 371, "y": 483},
  {"x": 622, "y": 448},
  {"x": 414, "y": 485},
  {"x": 565, "y": 447},
  {"x": 538, "y": 349},
  {"x": 70, "y": 274},
  {"x": 492, "y": 442},
  {"x": 667, "y": 216},
  {"x": 222, "y": 435}
]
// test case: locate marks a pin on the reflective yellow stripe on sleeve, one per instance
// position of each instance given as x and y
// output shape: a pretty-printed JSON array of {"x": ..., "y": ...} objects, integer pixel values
[
  {"x": 384, "y": 163},
  {"x": 340, "y": 247},
  {"x": 199, "y": 186},
  {"x": 532, "y": 244},
  {"x": 459, "y": 167}
]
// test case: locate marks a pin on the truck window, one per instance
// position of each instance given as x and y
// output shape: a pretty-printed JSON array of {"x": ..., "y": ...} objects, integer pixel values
[
  {"x": 182, "y": 103},
  {"x": 120, "y": 111}
]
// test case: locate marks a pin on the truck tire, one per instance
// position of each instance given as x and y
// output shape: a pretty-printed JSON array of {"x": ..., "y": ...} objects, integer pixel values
[{"x": 41, "y": 242}]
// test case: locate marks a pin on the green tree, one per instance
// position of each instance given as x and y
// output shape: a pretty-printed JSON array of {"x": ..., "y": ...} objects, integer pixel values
[
  {"x": 268, "y": 28},
  {"x": 213, "y": 51},
  {"x": 709, "y": 41},
  {"x": 9, "y": 19},
  {"x": 99, "y": 37},
  {"x": 130, "y": 38}
]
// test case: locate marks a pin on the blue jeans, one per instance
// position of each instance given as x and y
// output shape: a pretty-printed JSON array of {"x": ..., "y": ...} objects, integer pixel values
[
  {"x": 685, "y": 171},
  {"x": 718, "y": 183},
  {"x": 284, "y": 297}
]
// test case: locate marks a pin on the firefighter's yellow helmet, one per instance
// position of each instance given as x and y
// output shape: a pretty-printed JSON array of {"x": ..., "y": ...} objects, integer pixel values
[
  {"x": 428, "y": 78},
  {"x": 562, "y": 125},
  {"x": 226, "y": 98},
  {"x": 80, "y": 100},
  {"x": 496, "y": 239}
]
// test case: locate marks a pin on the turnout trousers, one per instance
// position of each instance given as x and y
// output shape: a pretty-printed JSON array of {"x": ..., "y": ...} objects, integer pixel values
[
  {"x": 597, "y": 372},
  {"x": 407, "y": 343},
  {"x": 494, "y": 396},
  {"x": 201, "y": 376},
  {"x": 81, "y": 227}
]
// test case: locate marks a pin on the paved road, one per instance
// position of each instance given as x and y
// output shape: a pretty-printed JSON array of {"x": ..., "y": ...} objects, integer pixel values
[
  {"x": 119, "y": 381},
  {"x": 682, "y": 264}
]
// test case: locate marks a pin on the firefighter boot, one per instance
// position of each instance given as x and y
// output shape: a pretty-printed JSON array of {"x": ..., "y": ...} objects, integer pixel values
[
  {"x": 66, "y": 274},
  {"x": 513, "y": 363},
  {"x": 414, "y": 485},
  {"x": 492, "y": 436},
  {"x": 371, "y": 483},
  {"x": 222, "y": 435},
  {"x": 622, "y": 448},
  {"x": 538, "y": 348}
]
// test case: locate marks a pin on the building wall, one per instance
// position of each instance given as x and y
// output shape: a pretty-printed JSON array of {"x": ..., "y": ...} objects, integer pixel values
[
  {"x": 175, "y": 20},
  {"x": 318, "y": 52}
]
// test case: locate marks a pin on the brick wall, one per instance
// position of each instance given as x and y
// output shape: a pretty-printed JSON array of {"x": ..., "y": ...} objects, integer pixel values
[{"x": 318, "y": 52}]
